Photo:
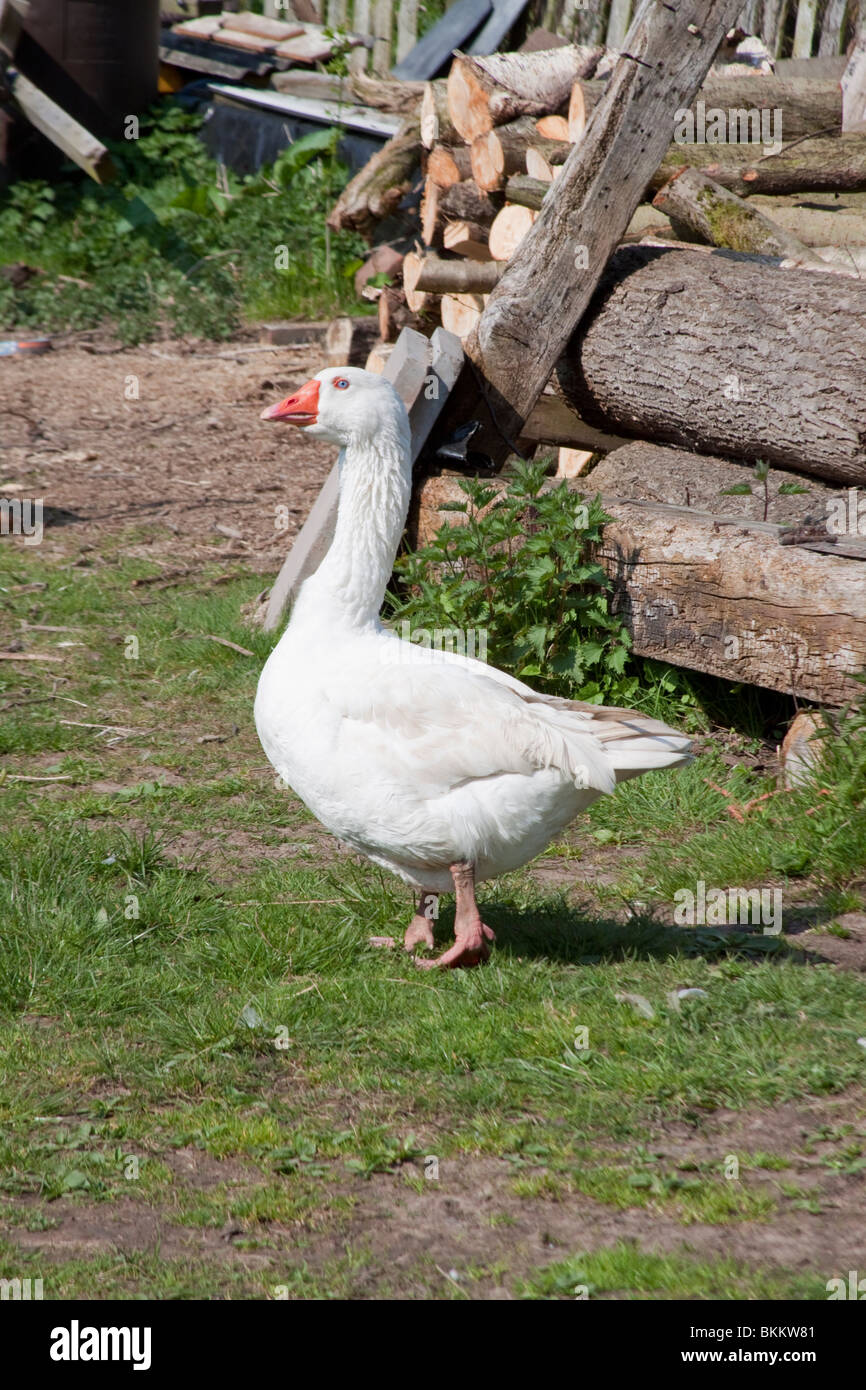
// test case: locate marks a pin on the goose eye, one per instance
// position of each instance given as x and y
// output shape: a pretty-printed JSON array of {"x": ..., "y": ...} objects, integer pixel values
[{"x": 341, "y": 384}]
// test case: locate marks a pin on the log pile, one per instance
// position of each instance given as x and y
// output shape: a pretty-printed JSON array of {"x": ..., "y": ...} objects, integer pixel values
[{"x": 727, "y": 331}]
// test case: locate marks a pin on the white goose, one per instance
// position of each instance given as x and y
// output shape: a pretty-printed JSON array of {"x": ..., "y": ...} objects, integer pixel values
[{"x": 436, "y": 766}]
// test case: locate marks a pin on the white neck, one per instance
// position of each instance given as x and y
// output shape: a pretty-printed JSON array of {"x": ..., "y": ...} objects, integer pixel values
[{"x": 375, "y": 486}]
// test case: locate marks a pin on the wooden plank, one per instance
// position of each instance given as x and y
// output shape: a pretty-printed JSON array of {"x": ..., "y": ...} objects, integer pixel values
[
  {"x": 807, "y": 14},
  {"x": 618, "y": 22},
  {"x": 494, "y": 31},
  {"x": 407, "y": 28},
  {"x": 831, "y": 28},
  {"x": 382, "y": 12},
  {"x": 360, "y": 118},
  {"x": 437, "y": 45},
  {"x": 854, "y": 85},
  {"x": 73, "y": 139},
  {"x": 408, "y": 368},
  {"x": 720, "y": 594}
]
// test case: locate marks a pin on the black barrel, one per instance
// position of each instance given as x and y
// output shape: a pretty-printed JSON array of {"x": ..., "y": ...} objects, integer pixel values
[{"x": 99, "y": 59}]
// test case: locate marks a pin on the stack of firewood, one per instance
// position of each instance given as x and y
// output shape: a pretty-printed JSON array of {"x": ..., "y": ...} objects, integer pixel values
[{"x": 492, "y": 137}]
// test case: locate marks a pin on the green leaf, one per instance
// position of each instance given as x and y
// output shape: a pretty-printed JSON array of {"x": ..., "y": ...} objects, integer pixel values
[{"x": 738, "y": 490}]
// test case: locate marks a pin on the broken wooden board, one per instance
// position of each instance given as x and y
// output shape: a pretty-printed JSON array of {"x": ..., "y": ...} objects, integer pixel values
[
  {"x": 422, "y": 371},
  {"x": 719, "y": 594},
  {"x": 52, "y": 121},
  {"x": 495, "y": 29},
  {"x": 365, "y": 119}
]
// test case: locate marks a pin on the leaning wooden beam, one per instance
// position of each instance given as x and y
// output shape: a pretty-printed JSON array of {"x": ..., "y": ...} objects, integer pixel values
[
  {"x": 548, "y": 285},
  {"x": 423, "y": 372},
  {"x": 696, "y": 204},
  {"x": 696, "y": 348},
  {"x": 73, "y": 139},
  {"x": 720, "y": 594}
]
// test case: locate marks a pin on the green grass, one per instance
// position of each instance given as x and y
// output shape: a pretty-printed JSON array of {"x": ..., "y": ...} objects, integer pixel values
[
  {"x": 201, "y": 250},
  {"x": 167, "y": 985}
]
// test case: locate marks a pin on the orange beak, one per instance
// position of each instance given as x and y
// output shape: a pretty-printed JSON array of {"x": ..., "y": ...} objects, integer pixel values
[{"x": 300, "y": 409}]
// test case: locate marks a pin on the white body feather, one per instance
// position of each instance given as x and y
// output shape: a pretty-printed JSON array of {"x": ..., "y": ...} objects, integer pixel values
[{"x": 418, "y": 758}]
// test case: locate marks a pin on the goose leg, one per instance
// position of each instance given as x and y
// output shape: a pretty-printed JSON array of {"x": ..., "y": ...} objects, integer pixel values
[
  {"x": 471, "y": 934},
  {"x": 420, "y": 930}
]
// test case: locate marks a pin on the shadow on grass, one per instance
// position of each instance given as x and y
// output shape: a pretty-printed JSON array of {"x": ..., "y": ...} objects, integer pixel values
[{"x": 570, "y": 937}]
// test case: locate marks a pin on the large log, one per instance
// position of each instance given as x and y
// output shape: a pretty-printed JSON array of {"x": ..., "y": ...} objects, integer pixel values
[
  {"x": 726, "y": 354},
  {"x": 829, "y": 165},
  {"x": 548, "y": 285},
  {"x": 805, "y": 105},
  {"x": 486, "y": 92},
  {"x": 699, "y": 207},
  {"x": 379, "y": 187},
  {"x": 452, "y": 277},
  {"x": 818, "y": 164},
  {"x": 719, "y": 595}
]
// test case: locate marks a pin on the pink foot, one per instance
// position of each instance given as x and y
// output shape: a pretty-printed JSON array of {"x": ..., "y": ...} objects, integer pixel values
[{"x": 472, "y": 935}]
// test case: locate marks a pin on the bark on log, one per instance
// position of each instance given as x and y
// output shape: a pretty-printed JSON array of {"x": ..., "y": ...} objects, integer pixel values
[
  {"x": 455, "y": 277},
  {"x": 376, "y": 190},
  {"x": 699, "y": 207},
  {"x": 832, "y": 165},
  {"x": 839, "y": 222},
  {"x": 394, "y": 315},
  {"x": 548, "y": 286},
  {"x": 436, "y": 123},
  {"x": 806, "y": 104},
  {"x": 485, "y": 92},
  {"x": 726, "y": 354},
  {"x": 678, "y": 478},
  {"x": 721, "y": 597},
  {"x": 819, "y": 164},
  {"x": 386, "y": 94}
]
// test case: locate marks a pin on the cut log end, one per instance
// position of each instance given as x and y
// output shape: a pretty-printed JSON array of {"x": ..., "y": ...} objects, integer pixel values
[{"x": 508, "y": 230}]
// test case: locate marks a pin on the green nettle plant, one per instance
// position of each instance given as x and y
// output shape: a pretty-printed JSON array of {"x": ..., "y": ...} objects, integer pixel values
[{"x": 520, "y": 565}]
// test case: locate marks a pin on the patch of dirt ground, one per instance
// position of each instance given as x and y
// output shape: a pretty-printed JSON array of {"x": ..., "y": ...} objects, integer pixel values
[
  {"x": 471, "y": 1219},
  {"x": 188, "y": 452}
]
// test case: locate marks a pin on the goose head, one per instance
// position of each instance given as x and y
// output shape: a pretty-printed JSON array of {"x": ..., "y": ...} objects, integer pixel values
[{"x": 345, "y": 405}]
